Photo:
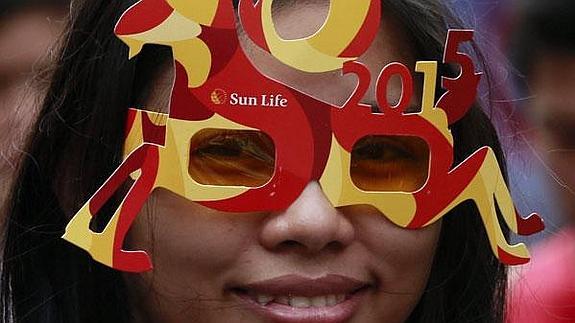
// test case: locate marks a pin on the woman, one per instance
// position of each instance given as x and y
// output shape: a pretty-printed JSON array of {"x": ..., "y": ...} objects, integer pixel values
[{"x": 308, "y": 262}]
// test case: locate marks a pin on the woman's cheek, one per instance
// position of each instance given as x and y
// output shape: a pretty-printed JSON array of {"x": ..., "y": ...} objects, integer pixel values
[
  {"x": 404, "y": 256},
  {"x": 188, "y": 242},
  {"x": 400, "y": 259}
]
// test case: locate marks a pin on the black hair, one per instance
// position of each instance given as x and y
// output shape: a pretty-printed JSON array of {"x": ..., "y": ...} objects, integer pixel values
[{"x": 77, "y": 141}]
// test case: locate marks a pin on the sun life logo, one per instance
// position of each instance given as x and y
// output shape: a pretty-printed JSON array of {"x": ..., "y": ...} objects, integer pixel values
[{"x": 219, "y": 96}]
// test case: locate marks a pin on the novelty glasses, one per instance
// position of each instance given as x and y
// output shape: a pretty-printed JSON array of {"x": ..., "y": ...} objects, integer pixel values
[{"x": 236, "y": 140}]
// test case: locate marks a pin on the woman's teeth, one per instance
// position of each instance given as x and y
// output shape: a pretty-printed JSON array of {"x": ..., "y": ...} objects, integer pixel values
[{"x": 302, "y": 302}]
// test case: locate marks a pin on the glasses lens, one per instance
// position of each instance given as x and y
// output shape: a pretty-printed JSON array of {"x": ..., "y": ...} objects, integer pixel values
[
  {"x": 232, "y": 158},
  {"x": 390, "y": 163}
]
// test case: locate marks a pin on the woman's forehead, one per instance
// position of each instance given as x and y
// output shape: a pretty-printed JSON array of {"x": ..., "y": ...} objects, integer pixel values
[
  {"x": 302, "y": 18},
  {"x": 296, "y": 19},
  {"x": 310, "y": 16}
]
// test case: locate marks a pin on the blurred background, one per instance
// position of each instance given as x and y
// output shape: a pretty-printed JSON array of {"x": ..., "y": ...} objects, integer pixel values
[
  {"x": 530, "y": 45},
  {"x": 29, "y": 29}
]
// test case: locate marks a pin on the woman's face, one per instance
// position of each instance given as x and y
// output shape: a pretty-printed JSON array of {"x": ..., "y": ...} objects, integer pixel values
[{"x": 309, "y": 263}]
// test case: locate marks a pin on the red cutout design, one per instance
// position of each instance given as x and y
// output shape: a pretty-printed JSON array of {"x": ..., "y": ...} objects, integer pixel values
[
  {"x": 461, "y": 91},
  {"x": 155, "y": 11},
  {"x": 300, "y": 126}
]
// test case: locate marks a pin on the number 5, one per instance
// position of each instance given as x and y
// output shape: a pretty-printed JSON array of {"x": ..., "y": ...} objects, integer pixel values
[{"x": 462, "y": 90}]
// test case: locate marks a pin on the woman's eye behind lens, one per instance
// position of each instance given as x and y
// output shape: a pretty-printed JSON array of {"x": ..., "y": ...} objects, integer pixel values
[
  {"x": 389, "y": 163},
  {"x": 231, "y": 158}
]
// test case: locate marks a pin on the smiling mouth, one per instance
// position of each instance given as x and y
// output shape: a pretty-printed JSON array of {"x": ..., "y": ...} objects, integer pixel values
[
  {"x": 294, "y": 299},
  {"x": 300, "y": 301}
]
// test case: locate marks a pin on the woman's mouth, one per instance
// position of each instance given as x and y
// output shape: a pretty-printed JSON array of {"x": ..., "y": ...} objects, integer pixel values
[
  {"x": 295, "y": 299},
  {"x": 300, "y": 301}
]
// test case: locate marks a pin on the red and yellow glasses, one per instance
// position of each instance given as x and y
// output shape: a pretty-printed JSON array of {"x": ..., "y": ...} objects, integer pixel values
[{"x": 236, "y": 140}]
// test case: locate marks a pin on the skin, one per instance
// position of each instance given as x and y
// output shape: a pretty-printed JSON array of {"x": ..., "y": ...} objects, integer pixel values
[
  {"x": 552, "y": 113},
  {"x": 198, "y": 253}
]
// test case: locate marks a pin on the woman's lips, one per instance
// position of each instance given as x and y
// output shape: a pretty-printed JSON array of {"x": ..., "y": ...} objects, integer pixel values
[{"x": 296, "y": 299}]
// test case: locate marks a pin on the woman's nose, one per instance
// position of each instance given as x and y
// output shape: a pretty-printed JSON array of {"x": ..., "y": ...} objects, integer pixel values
[{"x": 310, "y": 223}]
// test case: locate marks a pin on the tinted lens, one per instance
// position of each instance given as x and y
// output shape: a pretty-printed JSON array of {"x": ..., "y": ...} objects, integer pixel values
[
  {"x": 390, "y": 163},
  {"x": 232, "y": 158}
]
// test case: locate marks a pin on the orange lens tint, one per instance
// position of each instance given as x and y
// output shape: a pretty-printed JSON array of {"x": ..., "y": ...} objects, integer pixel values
[
  {"x": 231, "y": 157},
  {"x": 390, "y": 163}
]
